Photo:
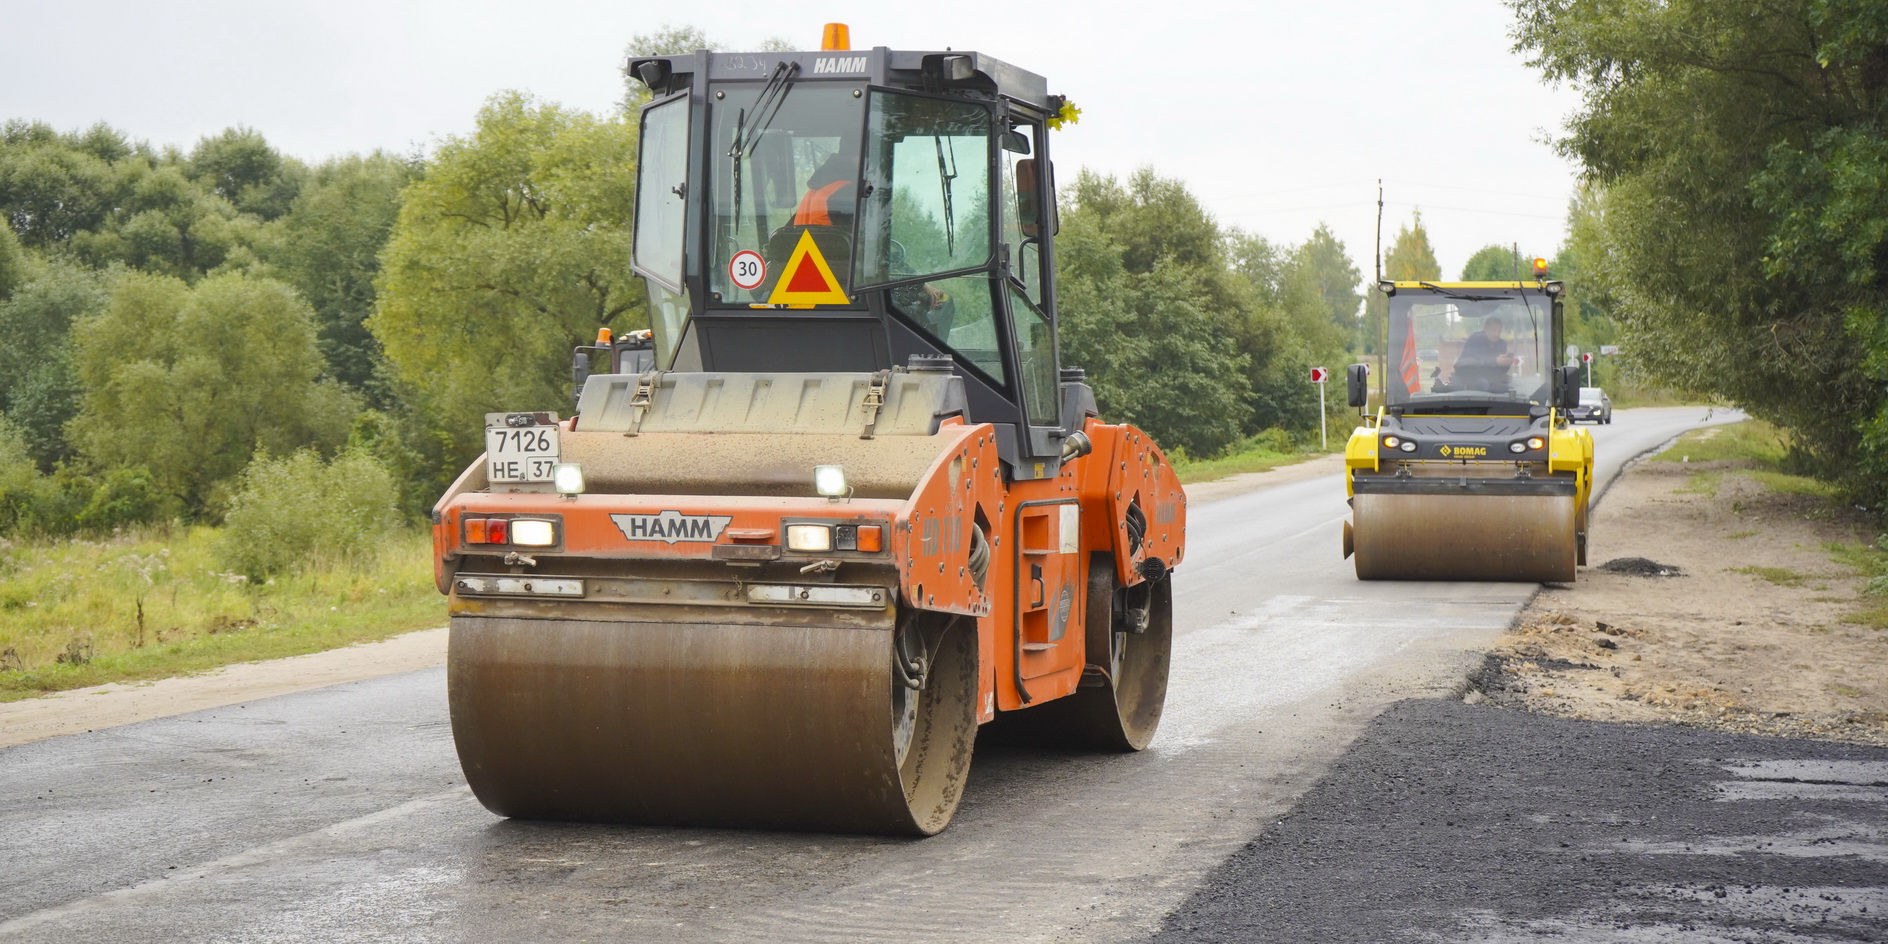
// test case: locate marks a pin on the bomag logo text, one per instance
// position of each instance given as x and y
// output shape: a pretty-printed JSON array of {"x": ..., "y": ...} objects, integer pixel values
[
  {"x": 1462, "y": 452},
  {"x": 832, "y": 64},
  {"x": 671, "y": 526}
]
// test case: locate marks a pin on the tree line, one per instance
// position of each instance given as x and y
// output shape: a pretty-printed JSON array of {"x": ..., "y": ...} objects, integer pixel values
[
  {"x": 172, "y": 315},
  {"x": 1736, "y": 161}
]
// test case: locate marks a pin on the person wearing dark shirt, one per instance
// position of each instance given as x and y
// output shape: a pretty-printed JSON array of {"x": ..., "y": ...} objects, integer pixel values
[{"x": 1484, "y": 362}]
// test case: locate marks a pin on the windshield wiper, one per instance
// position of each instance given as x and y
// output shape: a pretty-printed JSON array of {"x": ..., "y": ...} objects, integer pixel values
[
  {"x": 1463, "y": 296},
  {"x": 766, "y": 106},
  {"x": 947, "y": 172}
]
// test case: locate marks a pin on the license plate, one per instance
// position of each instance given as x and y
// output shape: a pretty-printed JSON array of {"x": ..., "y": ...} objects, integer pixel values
[{"x": 520, "y": 453}]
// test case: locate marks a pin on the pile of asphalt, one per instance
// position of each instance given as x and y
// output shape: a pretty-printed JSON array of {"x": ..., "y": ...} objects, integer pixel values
[
  {"x": 1640, "y": 567},
  {"x": 1454, "y": 822}
]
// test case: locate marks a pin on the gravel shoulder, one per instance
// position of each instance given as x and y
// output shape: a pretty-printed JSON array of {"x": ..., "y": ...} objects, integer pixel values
[{"x": 1747, "y": 630}]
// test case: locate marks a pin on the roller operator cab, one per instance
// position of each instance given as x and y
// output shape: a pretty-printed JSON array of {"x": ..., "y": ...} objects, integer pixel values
[
  {"x": 850, "y": 508},
  {"x": 1470, "y": 468}
]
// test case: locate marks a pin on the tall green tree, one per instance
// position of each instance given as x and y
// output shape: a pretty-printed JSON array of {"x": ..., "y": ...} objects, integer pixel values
[
  {"x": 12, "y": 262},
  {"x": 513, "y": 248},
  {"x": 1150, "y": 307},
  {"x": 241, "y": 167},
  {"x": 328, "y": 246},
  {"x": 1741, "y": 152},
  {"x": 1410, "y": 258},
  {"x": 1588, "y": 311},
  {"x": 212, "y": 373},
  {"x": 1324, "y": 260},
  {"x": 39, "y": 386},
  {"x": 1493, "y": 263},
  {"x": 50, "y": 190}
]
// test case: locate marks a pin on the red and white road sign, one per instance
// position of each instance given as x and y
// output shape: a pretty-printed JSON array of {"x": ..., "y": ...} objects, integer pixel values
[
  {"x": 1318, "y": 374},
  {"x": 747, "y": 269},
  {"x": 1586, "y": 358}
]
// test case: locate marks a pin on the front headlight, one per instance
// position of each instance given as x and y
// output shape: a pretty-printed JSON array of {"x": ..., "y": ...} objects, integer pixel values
[
  {"x": 567, "y": 478},
  {"x": 830, "y": 481}
]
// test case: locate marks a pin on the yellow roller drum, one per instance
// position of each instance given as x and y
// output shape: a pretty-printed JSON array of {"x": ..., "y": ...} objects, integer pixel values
[{"x": 1464, "y": 537}]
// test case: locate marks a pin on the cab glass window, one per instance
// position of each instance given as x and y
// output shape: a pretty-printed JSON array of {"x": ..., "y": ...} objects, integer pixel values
[
  {"x": 785, "y": 164},
  {"x": 927, "y": 203},
  {"x": 661, "y": 188},
  {"x": 1023, "y": 209},
  {"x": 959, "y": 315},
  {"x": 1035, "y": 361},
  {"x": 1474, "y": 347}
]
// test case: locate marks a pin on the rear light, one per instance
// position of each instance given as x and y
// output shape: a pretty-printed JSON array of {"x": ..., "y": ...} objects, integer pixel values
[
  {"x": 533, "y": 532},
  {"x": 867, "y": 538},
  {"x": 809, "y": 537},
  {"x": 1535, "y": 442},
  {"x": 525, "y": 532}
]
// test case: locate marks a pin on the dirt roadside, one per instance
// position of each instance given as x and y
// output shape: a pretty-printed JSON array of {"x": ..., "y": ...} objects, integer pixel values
[{"x": 1722, "y": 609}]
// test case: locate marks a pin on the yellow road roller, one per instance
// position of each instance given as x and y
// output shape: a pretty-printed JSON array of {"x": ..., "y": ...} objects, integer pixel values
[
  {"x": 1470, "y": 469},
  {"x": 842, "y": 506}
]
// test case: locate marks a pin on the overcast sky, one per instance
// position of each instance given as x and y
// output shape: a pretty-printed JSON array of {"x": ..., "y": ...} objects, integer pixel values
[{"x": 1278, "y": 116}]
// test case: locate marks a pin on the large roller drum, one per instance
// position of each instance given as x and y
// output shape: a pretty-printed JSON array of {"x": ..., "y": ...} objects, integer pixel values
[
  {"x": 1464, "y": 537},
  {"x": 715, "y": 724}
]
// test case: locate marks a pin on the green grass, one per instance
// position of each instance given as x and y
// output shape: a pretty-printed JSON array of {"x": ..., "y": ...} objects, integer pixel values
[
  {"x": 1870, "y": 561},
  {"x": 1781, "y": 576},
  {"x": 156, "y": 604},
  {"x": 1703, "y": 483},
  {"x": 1257, "y": 459},
  {"x": 1794, "y": 484},
  {"x": 1753, "y": 442}
]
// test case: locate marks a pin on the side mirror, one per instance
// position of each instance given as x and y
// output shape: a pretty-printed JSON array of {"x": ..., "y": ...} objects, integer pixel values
[
  {"x": 579, "y": 372},
  {"x": 1566, "y": 390},
  {"x": 1357, "y": 384}
]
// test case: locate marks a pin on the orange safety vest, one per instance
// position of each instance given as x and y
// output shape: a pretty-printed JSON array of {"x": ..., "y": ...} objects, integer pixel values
[{"x": 812, "y": 210}]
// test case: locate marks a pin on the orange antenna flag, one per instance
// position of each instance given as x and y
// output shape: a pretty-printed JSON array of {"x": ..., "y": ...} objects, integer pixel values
[{"x": 836, "y": 38}]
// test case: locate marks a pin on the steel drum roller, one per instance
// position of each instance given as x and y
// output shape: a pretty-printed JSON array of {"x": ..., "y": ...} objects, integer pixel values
[
  {"x": 1464, "y": 537},
  {"x": 709, "y": 724}
]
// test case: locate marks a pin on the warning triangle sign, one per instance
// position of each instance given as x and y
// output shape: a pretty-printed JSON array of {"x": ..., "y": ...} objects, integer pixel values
[{"x": 807, "y": 279}]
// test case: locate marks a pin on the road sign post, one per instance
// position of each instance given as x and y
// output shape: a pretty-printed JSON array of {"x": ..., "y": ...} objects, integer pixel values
[
  {"x": 1587, "y": 359},
  {"x": 1324, "y": 436}
]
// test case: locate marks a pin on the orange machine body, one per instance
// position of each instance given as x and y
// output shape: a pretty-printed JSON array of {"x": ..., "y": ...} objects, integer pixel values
[{"x": 1030, "y": 607}]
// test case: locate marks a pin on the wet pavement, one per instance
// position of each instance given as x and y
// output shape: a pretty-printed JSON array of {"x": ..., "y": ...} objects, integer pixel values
[{"x": 1471, "y": 823}]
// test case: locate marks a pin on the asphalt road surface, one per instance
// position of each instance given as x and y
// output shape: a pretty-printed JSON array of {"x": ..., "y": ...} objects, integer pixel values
[{"x": 339, "y": 813}]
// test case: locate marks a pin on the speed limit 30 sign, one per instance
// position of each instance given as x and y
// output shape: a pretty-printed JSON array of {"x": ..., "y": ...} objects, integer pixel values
[{"x": 747, "y": 269}]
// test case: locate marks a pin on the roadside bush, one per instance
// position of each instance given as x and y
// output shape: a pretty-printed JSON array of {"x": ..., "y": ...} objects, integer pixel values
[
  {"x": 21, "y": 485},
  {"x": 288, "y": 513},
  {"x": 125, "y": 496}
]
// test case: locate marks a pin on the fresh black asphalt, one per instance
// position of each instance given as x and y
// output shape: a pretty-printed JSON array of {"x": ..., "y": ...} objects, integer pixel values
[{"x": 1455, "y": 822}]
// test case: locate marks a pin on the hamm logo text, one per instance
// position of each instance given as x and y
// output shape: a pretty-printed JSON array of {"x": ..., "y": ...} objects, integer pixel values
[
  {"x": 671, "y": 526},
  {"x": 839, "y": 64}
]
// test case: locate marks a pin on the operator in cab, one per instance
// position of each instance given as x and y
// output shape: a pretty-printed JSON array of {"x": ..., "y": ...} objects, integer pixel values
[
  {"x": 1484, "y": 362},
  {"x": 831, "y": 200}
]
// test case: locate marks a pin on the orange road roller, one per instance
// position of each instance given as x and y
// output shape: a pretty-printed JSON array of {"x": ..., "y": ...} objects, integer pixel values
[{"x": 841, "y": 505}]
